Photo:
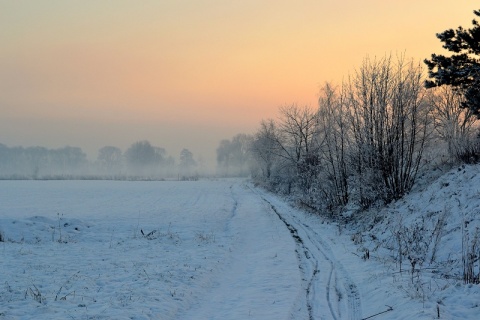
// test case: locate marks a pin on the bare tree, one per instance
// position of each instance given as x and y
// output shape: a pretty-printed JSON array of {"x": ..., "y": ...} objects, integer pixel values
[
  {"x": 186, "y": 164},
  {"x": 363, "y": 144},
  {"x": 298, "y": 130},
  {"x": 109, "y": 159},
  {"x": 334, "y": 137},
  {"x": 389, "y": 118},
  {"x": 298, "y": 146},
  {"x": 142, "y": 158},
  {"x": 264, "y": 148},
  {"x": 233, "y": 155},
  {"x": 286, "y": 151},
  {"x": 453, "y": 123}
]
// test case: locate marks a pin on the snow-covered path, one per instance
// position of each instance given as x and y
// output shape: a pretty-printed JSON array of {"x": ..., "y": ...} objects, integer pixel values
[
  {"x": 330, "y": 292},
  {"x": 259, "y": 278}
]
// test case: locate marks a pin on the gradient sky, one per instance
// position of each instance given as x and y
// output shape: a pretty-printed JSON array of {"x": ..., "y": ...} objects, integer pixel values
[{"x": 188, "y": 73}]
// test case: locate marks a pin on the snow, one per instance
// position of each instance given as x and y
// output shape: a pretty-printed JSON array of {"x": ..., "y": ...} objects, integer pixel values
[
  {"x": 74, "y": 249},
  {"x": 223, "y": 249},
  {"x": 454, "y": 199}
]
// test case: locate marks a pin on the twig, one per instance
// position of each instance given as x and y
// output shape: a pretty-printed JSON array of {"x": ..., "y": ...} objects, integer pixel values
[
  {"x": 376, "y": 314},
  {"x": 146, "y": 274}
]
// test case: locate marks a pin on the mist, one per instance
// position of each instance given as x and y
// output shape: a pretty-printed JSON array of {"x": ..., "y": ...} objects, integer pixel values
[
  {"x": 183, "y": 76},
  {"x": 140, "y": 161},
  {"x": 201, "y": 139}
]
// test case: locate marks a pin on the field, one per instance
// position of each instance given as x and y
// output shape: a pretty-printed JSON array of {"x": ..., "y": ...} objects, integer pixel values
[
  {"x": 141, "y": 250},
  {"x": 208, "y": 249}
]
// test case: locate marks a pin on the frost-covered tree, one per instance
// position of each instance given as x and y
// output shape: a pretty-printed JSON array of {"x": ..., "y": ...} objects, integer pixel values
[
  {"x": 24, "y": 162},
  {"x": 40, "y": 162},
  {"x": 69, "y": 160},
  {"x": 146, "y": 160},
  {"x": 186, "y": 163},
  {"x": 298, "y": 130},
  {"x": 286, "y": 150},
  {"x": 334, "y": 134},
  {"x": 298, "y": 133},
  {"x": 186, "y": 158},
  {"x": 453, "y": 124},
  {"x": 233, "y": 155},
  {"x": 461, "y": 69},
  {"x": 109, "y": 159},
  {"x": 141, "y": 158},
  {"x": 363, "y": 144},
  {"x": 265, "y": 149},
  {"x": 224, "y": 157},
  {"x": 163, "y": 159},
  {"x": 390, "y": 121}
]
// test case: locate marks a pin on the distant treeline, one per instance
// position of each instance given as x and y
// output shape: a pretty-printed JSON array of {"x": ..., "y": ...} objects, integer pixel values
[{"x": 140, "y": 161}]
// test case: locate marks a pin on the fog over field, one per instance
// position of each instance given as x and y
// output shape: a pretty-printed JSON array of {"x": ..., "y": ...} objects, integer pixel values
[
  {"x": 140, "y": 161},
  {"x": 239, "y": 159},
  {"x": 183, "y": 74}
]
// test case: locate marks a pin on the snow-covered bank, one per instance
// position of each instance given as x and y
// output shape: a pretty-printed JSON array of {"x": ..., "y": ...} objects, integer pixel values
[
  {"x": 434, "y": 228},
  {"x": 438, "y": 225}
]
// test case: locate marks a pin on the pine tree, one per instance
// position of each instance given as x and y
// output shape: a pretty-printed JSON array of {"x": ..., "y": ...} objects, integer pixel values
[{"x": 461, "y": 70}]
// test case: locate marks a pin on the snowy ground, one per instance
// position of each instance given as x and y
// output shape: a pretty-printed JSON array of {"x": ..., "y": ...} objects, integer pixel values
[
  {"x": 193, "y": 250},
  {"x": 75, "y": 250},
  {"x": 445, "y": 211}
]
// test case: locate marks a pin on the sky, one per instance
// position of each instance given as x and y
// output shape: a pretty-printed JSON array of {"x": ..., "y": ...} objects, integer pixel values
[{"x": 189, "y": 73}]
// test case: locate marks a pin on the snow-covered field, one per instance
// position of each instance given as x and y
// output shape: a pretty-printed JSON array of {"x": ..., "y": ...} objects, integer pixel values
[
  {"x": 142, "y": 250},
  {"x": 218, "y": 249}
]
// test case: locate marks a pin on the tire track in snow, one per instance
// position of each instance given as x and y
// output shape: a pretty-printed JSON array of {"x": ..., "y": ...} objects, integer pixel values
[
  {"x": 317, "y": 256},
  {"x": 351, "y": 290},
  {"x": 312, "y": 273},
  {"x": 233, "y": 210},
  {"x": 256, "y": 272},
  {"x": 235, "y": 202}
]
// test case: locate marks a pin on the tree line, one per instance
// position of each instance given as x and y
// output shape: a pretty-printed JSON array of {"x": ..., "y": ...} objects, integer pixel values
[
  {"x": 365, "y": 143},
  {"x": 141, "y": 160},
  {"x": 370, "y": 137}
]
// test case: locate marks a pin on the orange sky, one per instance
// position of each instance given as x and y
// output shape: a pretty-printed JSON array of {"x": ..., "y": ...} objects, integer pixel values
[{"x": 188, "y": 73}]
